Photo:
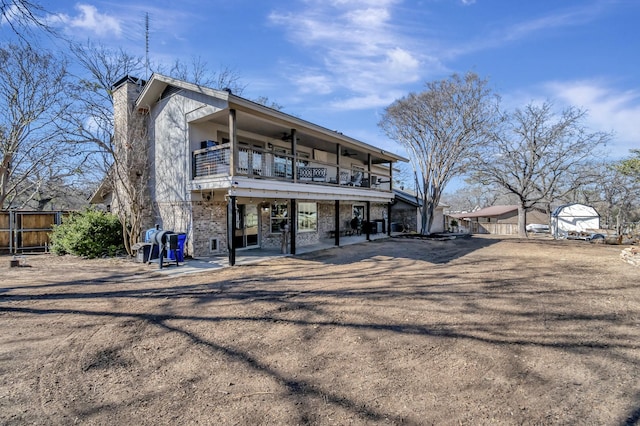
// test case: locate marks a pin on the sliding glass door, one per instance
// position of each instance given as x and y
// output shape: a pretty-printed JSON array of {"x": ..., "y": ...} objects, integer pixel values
[{"x": 246, "y": 226}]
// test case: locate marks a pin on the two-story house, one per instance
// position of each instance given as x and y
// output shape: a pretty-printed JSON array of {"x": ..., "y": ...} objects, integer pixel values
[{"x": 233, "y": 174}]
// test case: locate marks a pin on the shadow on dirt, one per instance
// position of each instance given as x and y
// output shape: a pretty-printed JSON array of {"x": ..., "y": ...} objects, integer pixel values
[
  {"x": 501, "y": 307},
  {"x": 426, "y": 249}
]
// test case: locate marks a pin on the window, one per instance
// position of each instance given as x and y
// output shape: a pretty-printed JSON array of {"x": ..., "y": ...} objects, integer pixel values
[
  {"x": 358, "y": 212},
  {"x": 282, "y": 162},
  {"x": 279, "y": 214},
  {"x": 307, "y": 217}
]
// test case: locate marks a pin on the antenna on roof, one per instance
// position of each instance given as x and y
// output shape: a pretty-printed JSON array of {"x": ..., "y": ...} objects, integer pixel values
[{"x": 146, "y": 45}]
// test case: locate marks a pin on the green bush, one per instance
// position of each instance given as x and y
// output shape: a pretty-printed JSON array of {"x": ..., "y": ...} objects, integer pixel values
[{"x": 89, "y": 234}]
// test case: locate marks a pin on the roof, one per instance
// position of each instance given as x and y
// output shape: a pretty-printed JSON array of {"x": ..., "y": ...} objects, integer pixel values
[
  {"x": 411, "y": 198},
  {"x": 487, "y": 212},
  {"x": 157, "y": 84},
  {"x": 128, "y": 79},
  {"x": 575, "y": 210}
]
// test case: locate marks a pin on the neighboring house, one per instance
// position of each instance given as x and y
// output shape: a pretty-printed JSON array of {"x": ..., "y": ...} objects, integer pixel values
[
  {"x": 573, "y": 217},
  {"x": 231, "y": 173},
  {"x": 500, "y": 220},
  {"x": 406, "y": 213}
]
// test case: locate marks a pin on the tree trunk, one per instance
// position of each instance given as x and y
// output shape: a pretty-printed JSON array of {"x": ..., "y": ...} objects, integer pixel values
[{"x": 522, "y": 220}]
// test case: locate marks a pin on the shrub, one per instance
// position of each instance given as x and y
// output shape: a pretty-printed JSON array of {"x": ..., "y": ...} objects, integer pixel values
[{"x": 89, "y": 234}]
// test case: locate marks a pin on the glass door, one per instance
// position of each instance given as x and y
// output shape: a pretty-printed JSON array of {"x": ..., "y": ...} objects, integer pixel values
[{"x": 246, "y": 226}]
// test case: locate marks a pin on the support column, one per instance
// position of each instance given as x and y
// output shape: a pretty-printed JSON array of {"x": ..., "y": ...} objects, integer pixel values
[
  {"x": 293, "y": 227},
  {"x": 338, "y": 148},
  {"x": 231, "y": 223},
  {"x": 337, "y": 224},
  {"x": 233, "y": 140},
  {"x": 368, "y": 208},
  {"x": 388, "y": 219},
  {"x": 294, "y": 154}
]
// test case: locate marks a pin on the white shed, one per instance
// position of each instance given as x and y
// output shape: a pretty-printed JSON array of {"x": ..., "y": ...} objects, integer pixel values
[{"x": 573, "y": 218}]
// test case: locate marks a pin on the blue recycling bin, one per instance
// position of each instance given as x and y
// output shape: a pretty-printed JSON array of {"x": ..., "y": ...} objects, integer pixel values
[{"x": 179, "y": 253}]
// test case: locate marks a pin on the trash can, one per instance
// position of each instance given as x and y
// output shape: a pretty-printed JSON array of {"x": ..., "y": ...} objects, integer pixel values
[{"x": 178, "y": 254}]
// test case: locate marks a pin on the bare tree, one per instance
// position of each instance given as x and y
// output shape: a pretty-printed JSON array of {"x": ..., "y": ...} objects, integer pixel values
[
  {"x": 198, "y": 72},
  {"x": 22, "y": 15},
  {"x": 472, "y": 197},
  {"x": 264, "y": 100},
  {"x": 118, "y": 145},
  {"x": 107, "y": 122},
  {"x": 443, "y": 128},
  {"x": 101, "y": 68},
  {"x": 538, "y": 156},
  {"x": 130, "y": 169},
  {"x": 615, "y": 195},
  {"x": 33, "y": 87}
]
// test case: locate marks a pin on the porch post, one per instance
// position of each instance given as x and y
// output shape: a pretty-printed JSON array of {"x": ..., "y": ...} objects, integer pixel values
[
  {"x": 231, "y": 223},
  {"x": 338, "y": 148},
  {"x": 293, "y": 227},
  {"x": 233, "y": 140},
  {"x": 294, "y": 154},
  {"x": 369, "y": 169},
  {"x": 368, "y": 220},
  {"x": 388, "y": 219},
  {"x": 336, "y": 235}
]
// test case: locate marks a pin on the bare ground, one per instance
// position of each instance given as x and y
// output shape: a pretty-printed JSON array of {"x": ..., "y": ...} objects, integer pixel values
[{"x": 470, "y": 331}]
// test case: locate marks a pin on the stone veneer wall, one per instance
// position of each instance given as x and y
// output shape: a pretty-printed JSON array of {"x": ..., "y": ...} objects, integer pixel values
[
  {"x": 274, "y": 240},
  {"x": 267, "y": 239},
  {"x": 327, "y": 211},
  {"x": 209, "y": 221},
  {"x": 405, "y": 214}
]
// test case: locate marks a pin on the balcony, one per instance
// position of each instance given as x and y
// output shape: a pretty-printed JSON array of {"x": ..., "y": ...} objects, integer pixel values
[{"x": 274, "y": 164}]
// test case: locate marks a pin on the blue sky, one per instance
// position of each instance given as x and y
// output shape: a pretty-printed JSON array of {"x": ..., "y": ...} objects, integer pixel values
[{"x": 338, "y": 63}]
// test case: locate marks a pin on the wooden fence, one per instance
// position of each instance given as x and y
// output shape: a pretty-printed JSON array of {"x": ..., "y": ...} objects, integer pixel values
[
  {"x": 494, "y": 228},
  {"x": 24, "y": 231}
]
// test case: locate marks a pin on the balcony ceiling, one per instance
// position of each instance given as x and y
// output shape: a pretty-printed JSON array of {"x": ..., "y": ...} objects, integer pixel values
[
  {"x": 323, "y": 139},
  {"x": 264, "y": 121}
]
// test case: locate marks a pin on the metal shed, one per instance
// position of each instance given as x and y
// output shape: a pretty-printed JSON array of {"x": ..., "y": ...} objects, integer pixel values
[{"x": 573, "y": 218}]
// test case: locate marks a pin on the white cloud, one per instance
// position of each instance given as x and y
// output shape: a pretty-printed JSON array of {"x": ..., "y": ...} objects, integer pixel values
[
  {"x": 357, "y": 47},
  {"x": 368, "y": 18},
  {"x": 11, "y": 13},
  {"x": 91, "y": 20},
  {"x": 373, "y": 100},
  {"x": 313, "y": 83},
  {"x": 536, "y": 25},
  {"x": 608, "y": 108}
]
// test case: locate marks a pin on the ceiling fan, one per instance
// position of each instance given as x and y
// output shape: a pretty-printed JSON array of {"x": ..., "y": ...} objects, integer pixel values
[
  {"x": 286, "y": 137},
  {"x": 346, "y": 153}
]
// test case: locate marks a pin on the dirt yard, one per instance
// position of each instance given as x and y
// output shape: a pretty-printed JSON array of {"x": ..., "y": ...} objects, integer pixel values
[{"x": 470, "y": 331}]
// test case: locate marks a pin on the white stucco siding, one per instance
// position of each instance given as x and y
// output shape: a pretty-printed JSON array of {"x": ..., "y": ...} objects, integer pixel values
[
  {"x": 172, "y": 162},
  {"x": 438, "y": 220},
  {"x": 172, "y": 148}
]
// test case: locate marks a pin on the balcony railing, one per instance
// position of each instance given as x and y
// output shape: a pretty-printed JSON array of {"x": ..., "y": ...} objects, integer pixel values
[
  {"x": 211, "y": 161},
  {"x": 272, "y": 164}
]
